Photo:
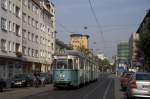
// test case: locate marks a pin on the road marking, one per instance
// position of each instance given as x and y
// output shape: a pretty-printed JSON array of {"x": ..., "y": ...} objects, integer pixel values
[
  {"x": 89, "y": 93},
  {"x": 107, "y": 89}
]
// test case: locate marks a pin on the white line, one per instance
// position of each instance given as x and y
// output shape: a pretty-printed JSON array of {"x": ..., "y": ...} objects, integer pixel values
[
  {"x": 89, "y": 93},
  {"x": 107, "y": 89}
]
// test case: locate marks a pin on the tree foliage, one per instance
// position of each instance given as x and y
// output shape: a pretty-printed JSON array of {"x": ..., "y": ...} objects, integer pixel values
[
  {"x": 144, "y": 45},
  {"x": 104, "y": 64}
]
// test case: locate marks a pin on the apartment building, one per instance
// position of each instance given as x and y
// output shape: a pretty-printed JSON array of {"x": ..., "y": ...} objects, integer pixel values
[
  {"x": 133, "y": 49},
  {"x": 27, "y": 36}
]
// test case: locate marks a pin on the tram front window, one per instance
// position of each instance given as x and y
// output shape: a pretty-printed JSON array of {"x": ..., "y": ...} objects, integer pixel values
[{"x": 62, "y": 64}]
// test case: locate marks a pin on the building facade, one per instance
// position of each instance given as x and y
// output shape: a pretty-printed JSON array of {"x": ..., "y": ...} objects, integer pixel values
[
  {"x": 79, "y": 41},
  {"x": 122, "y": 62},
  {"x": 144, "y": 29},
  {"x": 133, "y": 49},
  {"x": 123, "y": 52},
  {"x": 27, "y": 36}
]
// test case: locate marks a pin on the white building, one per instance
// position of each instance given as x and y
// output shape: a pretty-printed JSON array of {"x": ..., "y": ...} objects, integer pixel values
[{"x": 27, "y": 36}]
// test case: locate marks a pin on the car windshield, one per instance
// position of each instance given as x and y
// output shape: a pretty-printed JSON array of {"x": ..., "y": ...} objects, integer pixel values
[{"x": 142, "y": 76}]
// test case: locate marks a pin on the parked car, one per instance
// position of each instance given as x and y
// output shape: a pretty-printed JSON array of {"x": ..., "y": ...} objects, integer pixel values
[
  {"x": 22, "y": 80},
  {"x": 2, "y": 84},
  {"x": 124, "y": 79},
  {"x": 139, "y": 85},
  {"x": 46, "y": 78}
]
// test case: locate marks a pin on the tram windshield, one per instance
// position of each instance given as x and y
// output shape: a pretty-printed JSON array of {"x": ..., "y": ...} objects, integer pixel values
[{"x": 64, "y": 64}]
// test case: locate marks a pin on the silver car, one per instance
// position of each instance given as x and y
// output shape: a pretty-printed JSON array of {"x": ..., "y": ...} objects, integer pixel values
[{"x": 139, "y": 85}]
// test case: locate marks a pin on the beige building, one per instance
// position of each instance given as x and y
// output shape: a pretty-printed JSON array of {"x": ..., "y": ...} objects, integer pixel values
[
  {"x": 27, "y": 36},
  {"x": 79, "y": 41}
]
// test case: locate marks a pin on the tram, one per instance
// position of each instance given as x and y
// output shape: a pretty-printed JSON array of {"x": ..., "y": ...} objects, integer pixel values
[{"x": 73, "y": 69}]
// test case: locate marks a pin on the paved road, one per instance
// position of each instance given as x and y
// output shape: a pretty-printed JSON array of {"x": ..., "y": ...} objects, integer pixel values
[{"x": 102, "y": 89}]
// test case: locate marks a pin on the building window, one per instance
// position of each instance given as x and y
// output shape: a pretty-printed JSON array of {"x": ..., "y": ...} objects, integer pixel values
[
  {"x": 32, "y": 37},
  {"x": 14, "y": 8},
  {"x": 33, "y": 52},
  {"x": 9, "y": 26},
  {"x": 17, "y": 11},
  {"x": 3, "y": 45},
  {"x": 24, "y": 50},
  {"x": 13, "y": 47},
  {"x": 36, "y": 24},
  {"x": 29, "y": 20},
  {"x": 14, "y": 27},
  {"x": 36, "y": 38},
  {"x": 17, "y": 49},
  {"x": 4, "y": 4},
  {"x": 24, "y": 18},
  {"x": 52, "y": 35},
  {"x": 29, "y": 36},
  {"x": 9, "y": 4},
  {"x": 52, "y": 46},
  {"x": 3, "y": 24},
  {"x": 23, "y": 33},
  {"x": 9, "y": 46},
  {"x": 29, "y": 52},
  {"x": 36, "y": 53},
  {"x": 17, "y": 30},
  {"x": 32, "y": 22},
  {"x": 29, "y": 4}
]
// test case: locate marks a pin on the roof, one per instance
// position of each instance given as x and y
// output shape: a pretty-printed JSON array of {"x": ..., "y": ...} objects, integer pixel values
[{"x": 79, "y": 35}]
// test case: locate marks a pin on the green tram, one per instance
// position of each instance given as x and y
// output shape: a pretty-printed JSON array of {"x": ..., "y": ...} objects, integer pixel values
[{"x": 73, "y": 69}]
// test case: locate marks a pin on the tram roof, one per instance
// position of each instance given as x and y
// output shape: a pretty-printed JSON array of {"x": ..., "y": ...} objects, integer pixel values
[{"x": 72, "y": 52}]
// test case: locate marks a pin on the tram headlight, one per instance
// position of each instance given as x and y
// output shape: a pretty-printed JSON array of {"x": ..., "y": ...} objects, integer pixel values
[{"x": 62, "y": 77}]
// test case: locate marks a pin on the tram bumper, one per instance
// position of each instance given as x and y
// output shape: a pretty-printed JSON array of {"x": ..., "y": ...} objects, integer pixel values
[{"x": 62, "y": 83}]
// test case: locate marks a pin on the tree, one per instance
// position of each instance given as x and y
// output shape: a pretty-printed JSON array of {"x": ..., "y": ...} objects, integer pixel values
[
  {"x": 144, "y": 45},
  {"x": 104, "y": 64}
]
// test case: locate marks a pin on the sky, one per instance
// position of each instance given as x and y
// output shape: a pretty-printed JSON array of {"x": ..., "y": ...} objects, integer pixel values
[{"x": 117, "y": 20}]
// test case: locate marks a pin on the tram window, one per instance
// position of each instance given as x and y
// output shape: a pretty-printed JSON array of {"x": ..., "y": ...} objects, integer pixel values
[
  {"x": 76, "y": 64},
  {"x": 70, "y": 64},
  {"x": 61, "y": 64},
  {"x": 81, "y": 64}
]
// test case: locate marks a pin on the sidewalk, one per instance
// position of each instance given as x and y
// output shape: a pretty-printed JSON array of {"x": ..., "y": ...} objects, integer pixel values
[
  {"x": 118, "y": 93},
  {"x": 18, "y": 93}
]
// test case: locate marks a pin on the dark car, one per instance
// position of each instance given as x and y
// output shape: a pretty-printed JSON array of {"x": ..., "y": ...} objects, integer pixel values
[
  {"x": 22, "y": 80},
  {"x": 2, "y": 84}
]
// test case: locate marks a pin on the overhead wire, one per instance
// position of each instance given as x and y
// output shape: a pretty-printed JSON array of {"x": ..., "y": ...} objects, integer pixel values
[{"x": 97, "y": 22}]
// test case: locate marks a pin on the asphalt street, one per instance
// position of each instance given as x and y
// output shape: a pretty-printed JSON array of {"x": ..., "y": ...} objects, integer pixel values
[{"x": 101, "y": 89}]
